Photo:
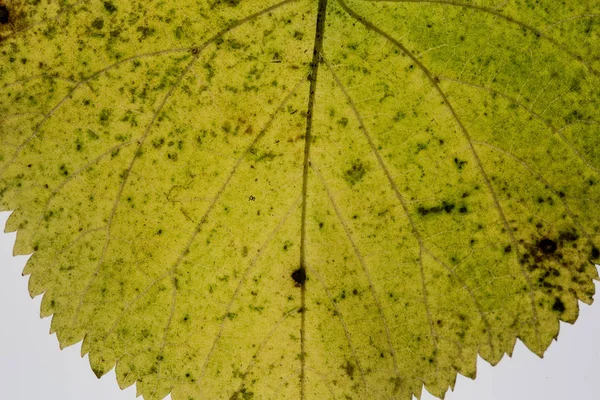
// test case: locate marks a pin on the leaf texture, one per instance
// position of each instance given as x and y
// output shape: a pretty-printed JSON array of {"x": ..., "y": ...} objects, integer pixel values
[{"x": 302, "y": 199}]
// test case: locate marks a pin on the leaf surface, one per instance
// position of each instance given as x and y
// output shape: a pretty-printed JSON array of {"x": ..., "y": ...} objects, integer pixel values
[{"x": 302, "y": 199}]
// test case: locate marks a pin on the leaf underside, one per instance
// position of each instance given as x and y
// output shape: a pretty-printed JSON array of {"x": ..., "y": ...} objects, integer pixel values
[{"x": 316, "y": 199}]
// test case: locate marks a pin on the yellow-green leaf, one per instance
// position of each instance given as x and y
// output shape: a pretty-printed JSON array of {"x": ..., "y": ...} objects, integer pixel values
[{"x": 302, "y": 199}]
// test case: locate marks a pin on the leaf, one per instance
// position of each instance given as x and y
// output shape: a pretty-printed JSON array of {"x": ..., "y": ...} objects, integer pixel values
[{"x": 302, "y": 199}]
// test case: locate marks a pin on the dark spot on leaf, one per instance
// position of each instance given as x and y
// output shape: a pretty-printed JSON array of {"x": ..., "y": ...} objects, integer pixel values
[
  {"x": 110, "y": 7},
  {"x": 98, "y": 23},
  {"x": 445, "y": 206},
  {"x": 547, "y": 246},
  {"x": 508, "y": 249},
  {"x": 104, "y": 116},
  {"x": 242, "y": 394},
  {"x": 568, "y": 236},
  {"x": 230, "y": 3},
  {"x": 349, "y": 367},
  {"x": 558, "y": 305},
  {"x": 459, "y": 163},
  {"x": 299, "y": 276},
  {"x": 355, "y": 173},
  {"x": 595, "y": 253},
  {"x": 463, "y": 210},
  {"x": 231, "y": 316},
  {"x": 4, "y": 14}
]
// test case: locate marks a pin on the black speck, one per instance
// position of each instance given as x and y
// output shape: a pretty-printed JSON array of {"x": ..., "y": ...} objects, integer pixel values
[
  {"x": 4, "y": 15},
  {"x": 299, "y": 276},
  {"x": 463, "y": 210},
  {"x": 508, "y": 249},
  {"x": 595, "y": 252},
  {"x": 558, "y": 305},
  {"x": 547, "y": 246},
  {"x": 459, "y": 163},
  {"x": 448, "y": 207}
]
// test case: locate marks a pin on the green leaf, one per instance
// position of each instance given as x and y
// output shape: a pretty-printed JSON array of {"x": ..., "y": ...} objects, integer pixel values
[{"x": 302, "y": 199}]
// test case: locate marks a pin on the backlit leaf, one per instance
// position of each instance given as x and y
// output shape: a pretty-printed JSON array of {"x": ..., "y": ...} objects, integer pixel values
[{"x": 302, "y": 199}]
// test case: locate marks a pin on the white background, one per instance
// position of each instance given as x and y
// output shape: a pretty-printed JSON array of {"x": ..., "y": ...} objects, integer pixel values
[{"x": 33, "y": 368}]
